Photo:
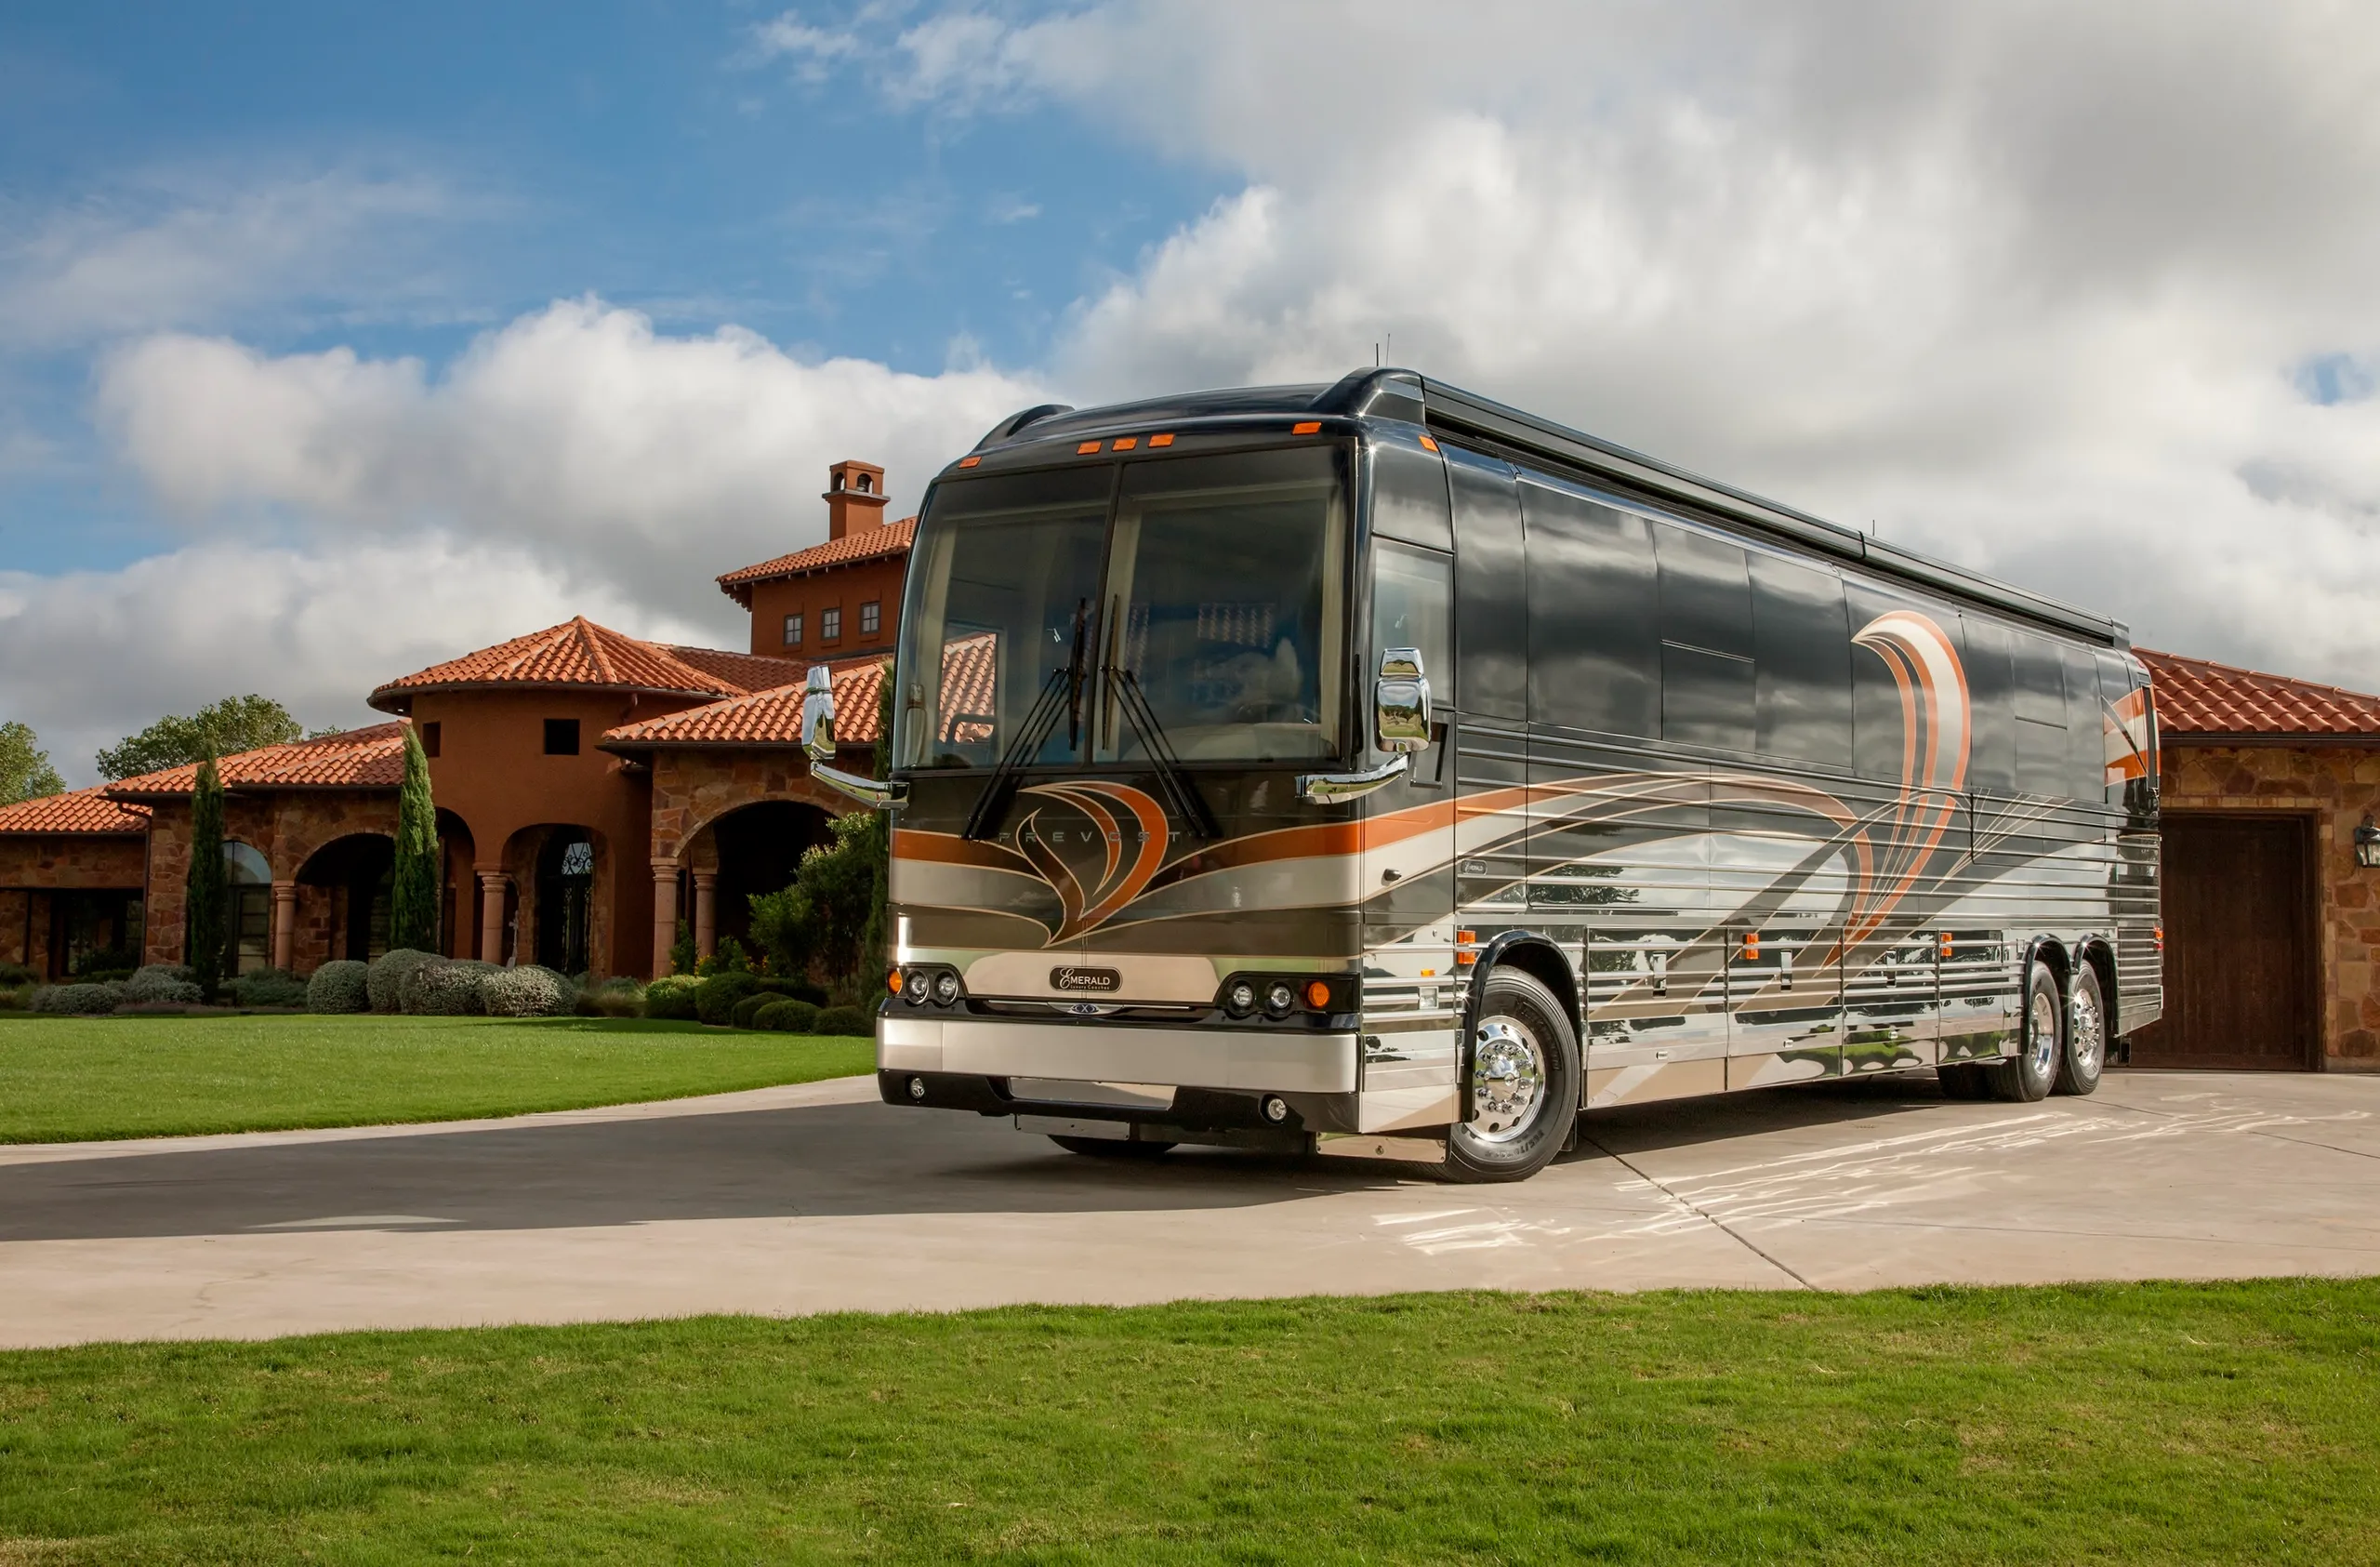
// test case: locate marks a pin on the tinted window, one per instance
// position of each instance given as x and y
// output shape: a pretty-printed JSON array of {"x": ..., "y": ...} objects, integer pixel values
[
  {"x": 1991, "y": 720},
  {"x": 1491, "y": 604},
  {"x": 1411, "y": 603},
  {"x": 1877, "y": 722},
  {"x": 1802, "y": 659},
  {"x": 1409, "y": 495},
  {"x": 1593, "y": 647},
  {"x": 1707, "y": 688},
  {"x": 2086, "y": 758},
  {"x": 2041, "y": 683}
]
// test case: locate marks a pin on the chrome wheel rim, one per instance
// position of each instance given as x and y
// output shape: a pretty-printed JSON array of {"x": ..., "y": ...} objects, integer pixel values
[
  {"x": 1507, "y": 1081},
  {"x": 2088, "y": 1031},
  {"x": 2041, "y": 1032}
]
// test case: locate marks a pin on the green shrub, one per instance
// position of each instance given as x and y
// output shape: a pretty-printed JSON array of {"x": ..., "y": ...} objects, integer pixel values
[
  {"x": 745, "y": 1011},
  {"x": 14, "y": 975},
  {"x": 164, "y": 985},
  {"x": 446, "y": 987},
  {"x": 616, "y": 997},
  {"x": 15, "y": 998},
  {"x": 389, "y": 971},
  {"x": 727, "y": 958},
  {"x": 80, "y": 1000},
  {"x": 341, "y": 985},
  {"x": 846, "y": 1020},
  {"x": 715, "y": 998},
  {"x": 529, "y": 990},
  {"x": 269, "y": 987},
  {"x": 673, "y": 995},
  {"x": 787, "y": 1017}
]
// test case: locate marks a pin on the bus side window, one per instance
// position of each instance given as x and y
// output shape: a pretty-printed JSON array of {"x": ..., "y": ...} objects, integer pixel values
[
  {"x": 2086, "y": 753},
  {"x": 1593, "y": 643},
  {"x": 1491, "y": 602},
  {"x": 1991, "y": 720},
  {"x": 1410, "y": 496},
  {"x": 1706, "y": 640},
  {"x": 1413, "y": 602},
  {"x": 2040, "y": 705},
  {"x": 1877, "y": 719},
  {"x": 1801, "y": 661}
]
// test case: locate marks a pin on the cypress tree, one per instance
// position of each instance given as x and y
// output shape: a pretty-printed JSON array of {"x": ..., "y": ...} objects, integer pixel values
[
  {"x": 206, "y": 887},
  {"x": 413, "y": 894}
]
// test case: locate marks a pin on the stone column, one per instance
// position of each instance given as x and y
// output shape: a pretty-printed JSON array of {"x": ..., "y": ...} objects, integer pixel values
[
  {"x": 285, "y": 924},
  {"x": 664, "y": 913},
  {"x": 492, "y": 884},
  {"x": 706, "y": 912}
]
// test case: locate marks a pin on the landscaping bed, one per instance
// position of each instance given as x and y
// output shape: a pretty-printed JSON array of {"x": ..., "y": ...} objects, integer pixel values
[
  {"x": 66, "y": 1079},
  {"x": 2133, "y": 1423}
]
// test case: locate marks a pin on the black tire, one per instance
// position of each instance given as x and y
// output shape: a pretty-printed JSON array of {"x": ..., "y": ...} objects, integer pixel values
[
  {"x": 1962, "y": 1081},
  {"x": 1111, "y": 1148},
  {"x": 2040, "y": 1043},
  {"x": 2086, "y": 1055},
  {"x": 1525, "y": 1084}
]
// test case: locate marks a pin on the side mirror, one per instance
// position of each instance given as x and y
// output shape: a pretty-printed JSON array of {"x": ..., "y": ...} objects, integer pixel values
[
  {"x": 1401, "y": 702},
  {"x": 818, "y": 714}
]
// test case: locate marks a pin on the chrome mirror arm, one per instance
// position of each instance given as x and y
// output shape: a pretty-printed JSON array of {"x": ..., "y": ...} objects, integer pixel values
[
  {"x": 818, "y": 745},
  {"x": 875, "y": 792},
  {"x": 1329, "y": 788}
]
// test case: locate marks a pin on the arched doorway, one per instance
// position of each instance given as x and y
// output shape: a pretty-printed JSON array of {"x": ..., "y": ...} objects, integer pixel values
[
  {"x": 247, "y": 908},
  {"x": 354, "y": 874},
  {"x": 757, "y": 849},
  {"x": 459, "y": 898},
  {"x": 565, "y": 901}
]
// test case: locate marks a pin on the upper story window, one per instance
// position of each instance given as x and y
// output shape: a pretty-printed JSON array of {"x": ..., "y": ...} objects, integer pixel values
[
  {"x": 830, "y": 624},
  {"x": 871, "y": 618},
  {"x": 793, "y": 631},
  {"x": 429, "y": 738},
  {"x": 562, "y": 737}
]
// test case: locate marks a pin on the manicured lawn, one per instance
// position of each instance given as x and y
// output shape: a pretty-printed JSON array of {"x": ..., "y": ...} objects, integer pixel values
[
  {"x": 63, "y": 1079},
  {"x": 2162, "y": 1423}
]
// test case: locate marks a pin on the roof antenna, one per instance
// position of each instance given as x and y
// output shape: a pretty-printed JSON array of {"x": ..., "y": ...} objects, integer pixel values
[
  {"x": 1392, "y": 345},
  {"x": 1375, "y": 354}
]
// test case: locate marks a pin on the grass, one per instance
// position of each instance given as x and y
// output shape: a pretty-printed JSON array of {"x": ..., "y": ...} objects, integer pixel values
[
  {"x": 66, "y": 1078},
  {"x": 2138, "y": 1423}
]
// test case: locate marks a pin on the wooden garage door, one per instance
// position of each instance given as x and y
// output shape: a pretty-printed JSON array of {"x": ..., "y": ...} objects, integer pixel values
[{"x": 2239, "y": 951}]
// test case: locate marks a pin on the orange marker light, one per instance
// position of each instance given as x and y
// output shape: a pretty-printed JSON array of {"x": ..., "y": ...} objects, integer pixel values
[
  {"x": 968, "y": 462},
  {"x": 1306, "y": 427},
  {"x": 2159, "y": 936},
  {"x": 1125, "y": 444},
  {"x": 1317, "y": 996},
  {"x": 1752, "y": 947},
  {"x": 1466, "y": 948},
  {"x": 1428, "y": 445},
  {"x": 1945, "y": 947},
  {"x": 1087, "y": 448},
  {"x": 893, "y": 982},
  {"x": 1160, "y": 440}
]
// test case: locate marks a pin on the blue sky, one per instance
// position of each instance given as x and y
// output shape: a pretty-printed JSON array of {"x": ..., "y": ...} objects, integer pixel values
[
  {"x": 648, "y": 154},
  {"x": 336, "y": 341}
]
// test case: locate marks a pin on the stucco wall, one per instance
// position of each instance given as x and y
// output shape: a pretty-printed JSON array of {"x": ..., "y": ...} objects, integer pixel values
[
  {"x": 845, "y": 588},
  {"x": 2334, "y": 785}
]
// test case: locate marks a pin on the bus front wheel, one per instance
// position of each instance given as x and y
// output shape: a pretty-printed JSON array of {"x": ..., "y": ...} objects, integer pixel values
[{"x": 1524, "y": 1083}]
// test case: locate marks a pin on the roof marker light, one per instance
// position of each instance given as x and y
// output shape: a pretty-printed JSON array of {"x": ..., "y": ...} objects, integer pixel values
[
  {"x": 1306, "y": 427},
  {"x": 1124, "y": 443},
  {"x": 968, "y": 462},
  {"x": 1160, "y": 440},
  {"x": 1428, "y": 445}
]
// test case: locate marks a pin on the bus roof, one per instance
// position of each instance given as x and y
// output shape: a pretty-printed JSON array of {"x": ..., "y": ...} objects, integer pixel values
[{"x": 1464, "y": 417}]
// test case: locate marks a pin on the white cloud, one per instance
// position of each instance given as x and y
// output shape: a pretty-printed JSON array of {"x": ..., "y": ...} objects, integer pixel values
[
  {"x": 645, "y": 462},
  {"x": 88, "y": 657}
]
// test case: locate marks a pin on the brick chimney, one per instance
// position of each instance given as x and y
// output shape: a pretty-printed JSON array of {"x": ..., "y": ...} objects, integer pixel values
[{"x": 855, "y": 497}]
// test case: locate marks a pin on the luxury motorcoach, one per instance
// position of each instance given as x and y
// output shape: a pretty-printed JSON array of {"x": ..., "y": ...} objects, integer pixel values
[{"x": 1375, "y": 769}]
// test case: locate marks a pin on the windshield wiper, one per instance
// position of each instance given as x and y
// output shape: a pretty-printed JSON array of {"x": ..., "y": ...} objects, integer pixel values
[
  {"x": 1172, "y": 777},
  {"x": 1062, "y": 691}
]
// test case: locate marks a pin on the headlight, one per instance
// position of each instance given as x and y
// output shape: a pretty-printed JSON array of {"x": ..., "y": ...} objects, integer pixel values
[
  {"x": 914, "y": 988},
  {"x": 1240, "y": 1000},
  {"x": 946, "y": 986},
  {"x": 1279, "y": 998}
]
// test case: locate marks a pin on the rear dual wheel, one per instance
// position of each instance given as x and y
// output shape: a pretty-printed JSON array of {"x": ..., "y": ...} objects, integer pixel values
[{"x": 2040, "y": 1044}]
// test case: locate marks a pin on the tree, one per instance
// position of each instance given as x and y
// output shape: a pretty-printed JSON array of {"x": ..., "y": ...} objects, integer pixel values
[
  {"x": 25, "y": 772},
  {"x": 413, "y": 894},
  {"x": 205, "y": 888},
  {"x": 224, "y": 728}
]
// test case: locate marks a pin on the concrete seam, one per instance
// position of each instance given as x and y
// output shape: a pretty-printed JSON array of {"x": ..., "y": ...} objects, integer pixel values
[
  {"x": 2251, "y": 1131},
  {"x": 1695, "y": 1209}
]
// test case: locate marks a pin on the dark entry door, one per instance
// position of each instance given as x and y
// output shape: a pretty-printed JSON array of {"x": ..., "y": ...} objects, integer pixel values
[{"x": 2239, "y": 946}]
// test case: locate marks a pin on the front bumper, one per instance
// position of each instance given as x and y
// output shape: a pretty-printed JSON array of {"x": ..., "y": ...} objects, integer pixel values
[{"x": 1245, "y": 1060}]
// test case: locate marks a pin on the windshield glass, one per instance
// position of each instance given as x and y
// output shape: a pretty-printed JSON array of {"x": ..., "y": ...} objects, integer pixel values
[
  {"x": 1220, "y": 599},
  {"x": 1004, "y": 567}
]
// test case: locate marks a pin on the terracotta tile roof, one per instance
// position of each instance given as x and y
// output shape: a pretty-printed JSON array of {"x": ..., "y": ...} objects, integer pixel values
[
  {"x": 745, "y": 671},
  {"x": 867, "y": 544},
  {"x": 969, "y": 666},
  {"x": 373, "y": 758},
  {"x": 764, "y": 717},
  {"x": 86, "y": 811},
  {"x": 578, "y": 652},
  {"x": 2199, "y": 696}
]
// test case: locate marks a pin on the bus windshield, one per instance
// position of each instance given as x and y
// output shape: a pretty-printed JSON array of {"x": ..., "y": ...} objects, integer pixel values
[{"x": 1069, "y": 612}]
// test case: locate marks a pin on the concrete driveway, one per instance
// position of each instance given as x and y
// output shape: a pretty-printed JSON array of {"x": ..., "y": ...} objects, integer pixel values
[{"x": 817, "y": 1198}]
